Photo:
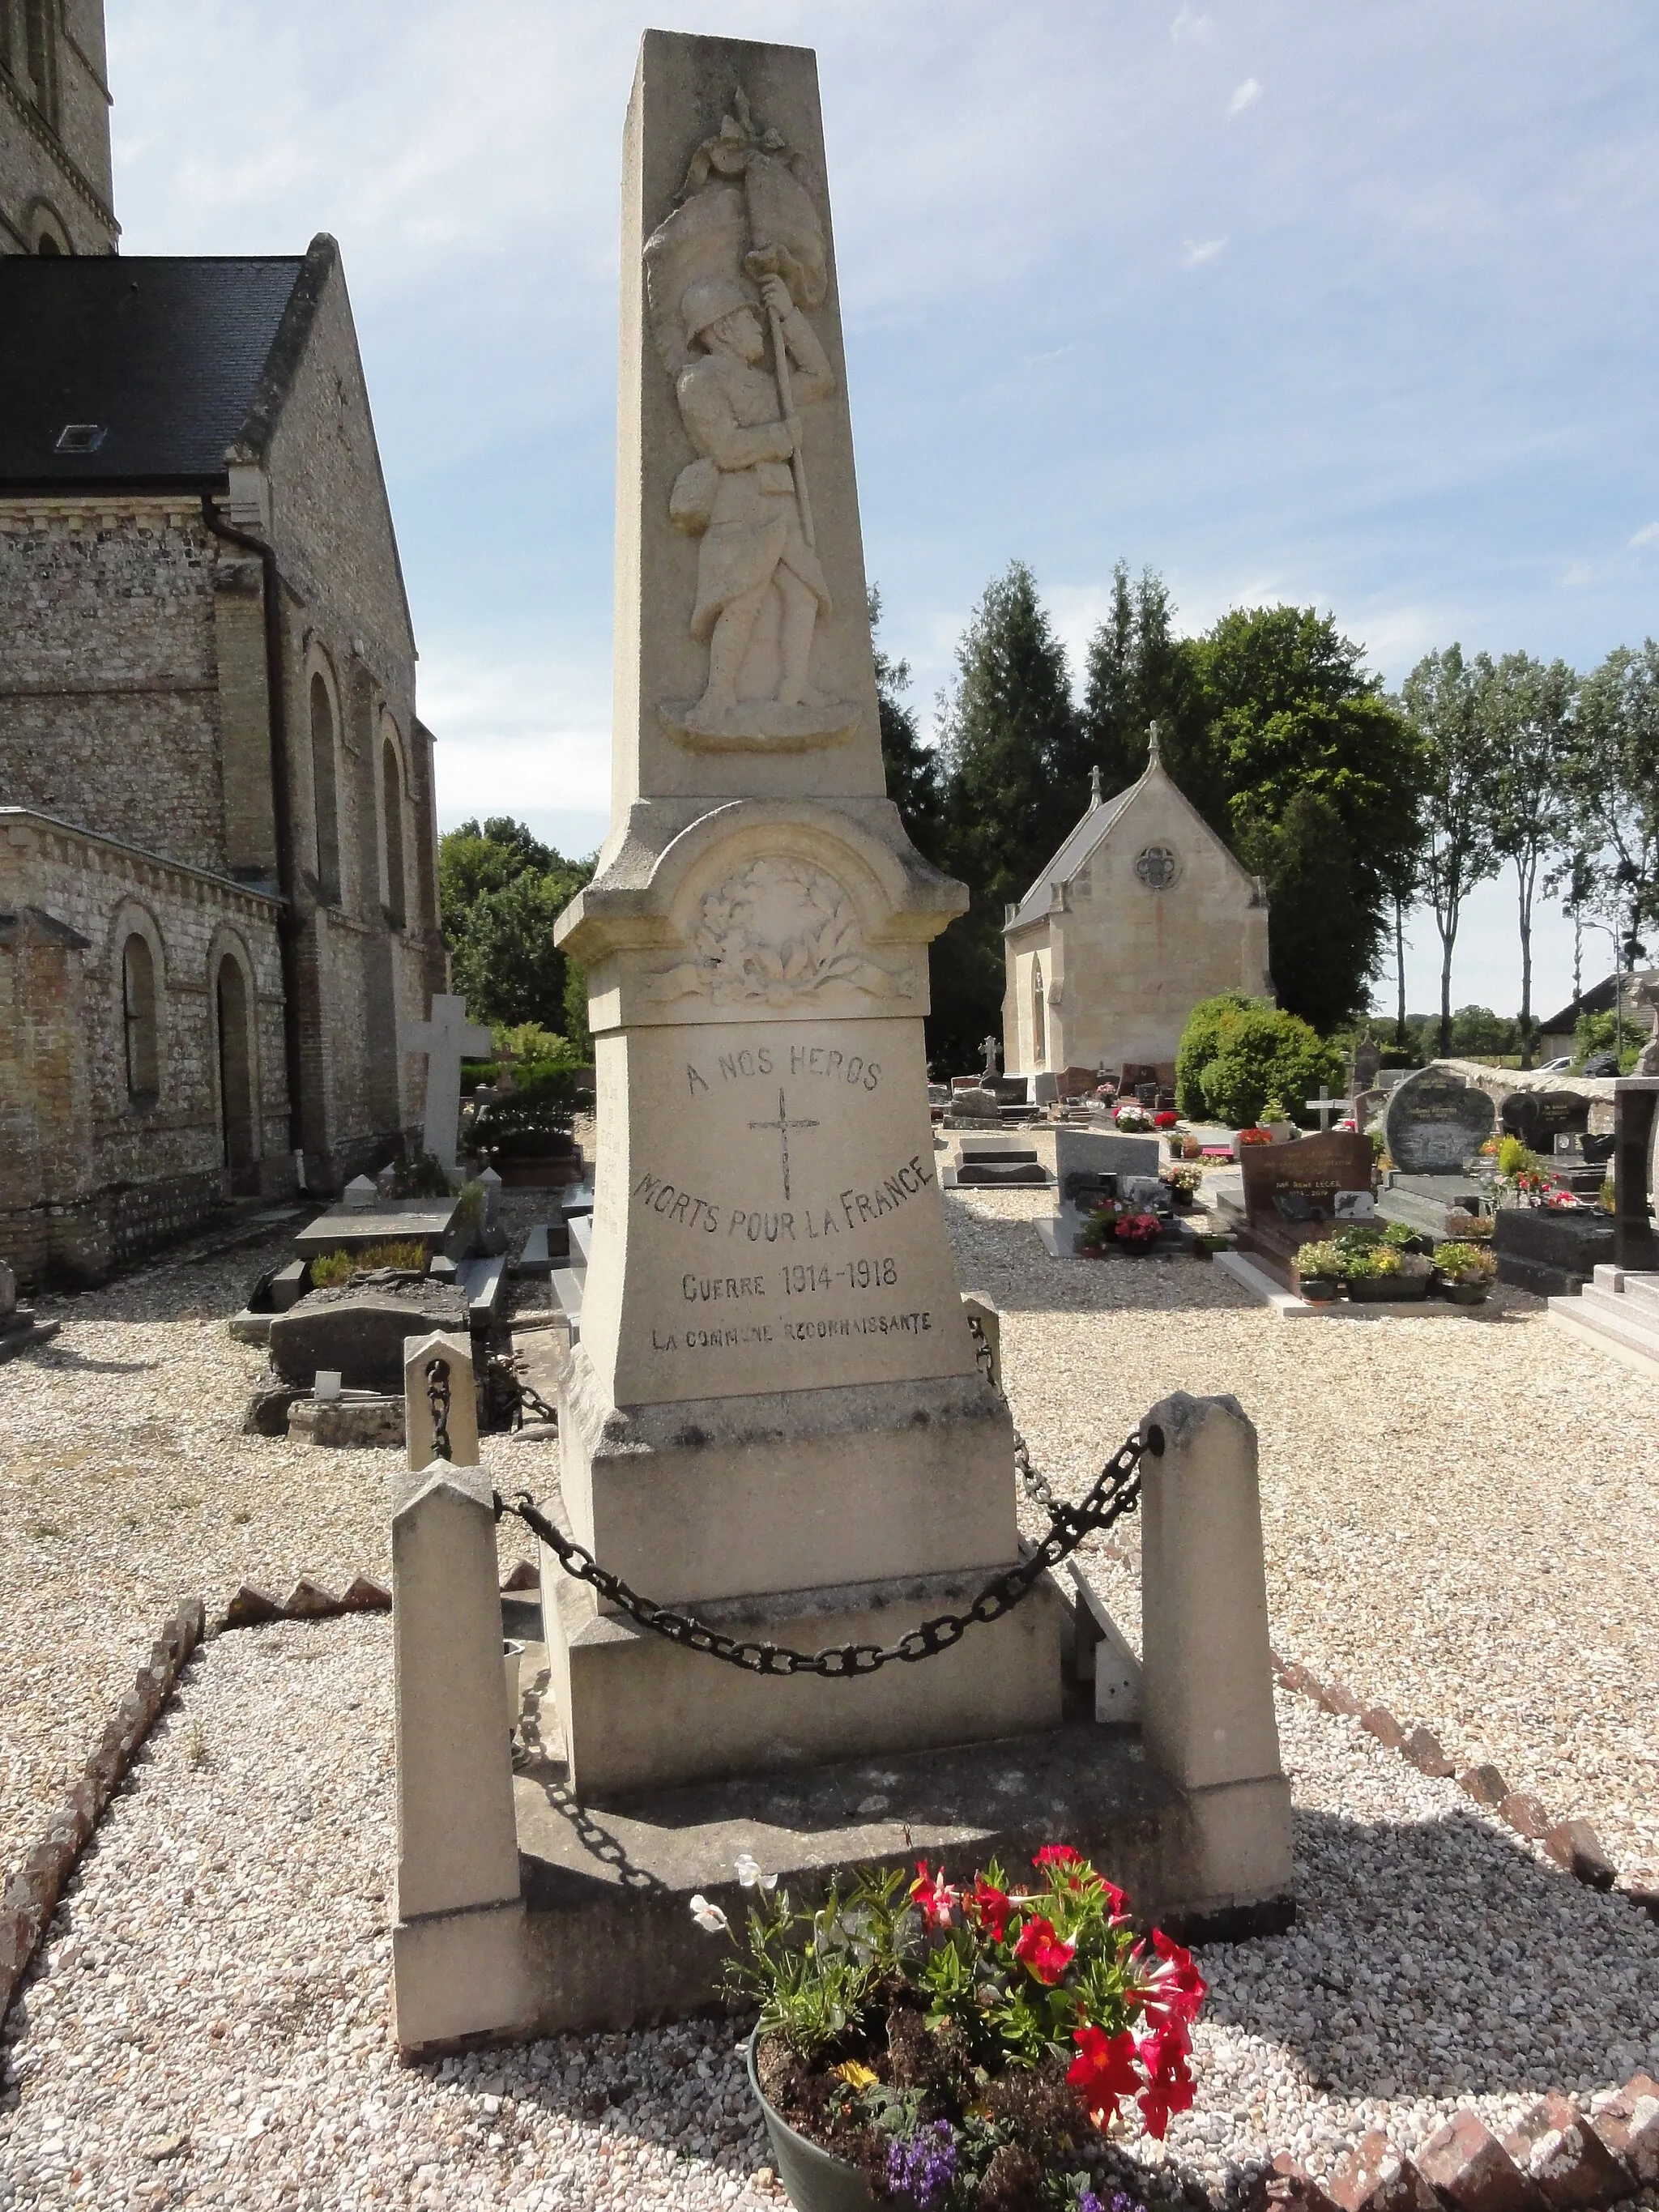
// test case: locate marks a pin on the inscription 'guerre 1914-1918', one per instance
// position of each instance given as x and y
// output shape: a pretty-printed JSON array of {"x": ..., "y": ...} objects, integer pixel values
[{"x": 776, "y": 1402}]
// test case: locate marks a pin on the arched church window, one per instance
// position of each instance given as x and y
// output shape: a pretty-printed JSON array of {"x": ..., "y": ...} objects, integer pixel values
[
  {"x": 139, "y": 1021},
  {"x": 392, "y": 801},
  {"x": 40, "y": 57},
  {"x": 1039, "y": 1016},
  {"x": 324, "y": 792}
]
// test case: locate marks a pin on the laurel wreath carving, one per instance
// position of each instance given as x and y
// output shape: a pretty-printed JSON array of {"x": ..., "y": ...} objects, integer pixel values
[{"x": 775, "y": 933}]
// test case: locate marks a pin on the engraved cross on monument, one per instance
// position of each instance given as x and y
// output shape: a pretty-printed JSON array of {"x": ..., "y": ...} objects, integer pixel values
[
  {"x": 775, "y": 1403},
  {"x": 783, "y": 1125},
  {"x": 447, "y": 1040}
]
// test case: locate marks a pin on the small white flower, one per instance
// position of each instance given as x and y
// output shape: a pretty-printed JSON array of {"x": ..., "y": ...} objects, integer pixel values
[
  {"x": 750, "y": 1875},
  {"x": 706, "y": 1916}
]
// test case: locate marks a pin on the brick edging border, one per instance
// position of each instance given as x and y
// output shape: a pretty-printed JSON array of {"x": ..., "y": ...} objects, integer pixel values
[
  {"x": 30, "y": 1895},
  {"x": 1572, "y": 1842}
]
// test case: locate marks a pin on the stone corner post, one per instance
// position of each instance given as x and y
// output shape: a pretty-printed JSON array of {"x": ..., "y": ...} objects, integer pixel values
[
  {"x": 454, "y": 1352},
  {"x": 458, "y": 1942},
  {"x": 1206, "y": 1689}
]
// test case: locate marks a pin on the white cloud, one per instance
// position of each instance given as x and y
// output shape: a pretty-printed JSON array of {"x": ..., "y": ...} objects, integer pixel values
[
  {"x": 1576, "y": 575},
  {"x": 529, "y": 737},
  {"x": 1647, "y": 535},
  {"x": 1197, "y": 251},
  {"x": 1247, "y": 95},
  {"x": 1189, "y": 24}
]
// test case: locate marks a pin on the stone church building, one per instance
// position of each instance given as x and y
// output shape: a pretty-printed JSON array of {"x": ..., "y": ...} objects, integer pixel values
[
  {"x": 218, "y": 880},
  {"x": 1142, "y": 912}
]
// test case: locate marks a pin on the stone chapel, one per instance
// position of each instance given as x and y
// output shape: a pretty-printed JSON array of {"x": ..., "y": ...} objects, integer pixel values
[
  {"x": 218, "y": 878},
  {"x": 1142, "y": 912}
]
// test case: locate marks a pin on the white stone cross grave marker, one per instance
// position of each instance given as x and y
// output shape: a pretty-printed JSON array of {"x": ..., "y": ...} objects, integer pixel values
[
  {"x": 447, "y": 1040},
  {"x": 1324, "y": 1106}
]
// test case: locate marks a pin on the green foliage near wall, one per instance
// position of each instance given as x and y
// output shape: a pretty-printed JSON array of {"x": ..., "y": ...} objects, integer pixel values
[
  {"x": 502, "y": 889},
  {"x": 1237, "y": 1053}
]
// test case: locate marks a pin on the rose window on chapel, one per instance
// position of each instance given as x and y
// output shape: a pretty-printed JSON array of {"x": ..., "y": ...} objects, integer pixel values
[{"x": 1155, "y": 867}]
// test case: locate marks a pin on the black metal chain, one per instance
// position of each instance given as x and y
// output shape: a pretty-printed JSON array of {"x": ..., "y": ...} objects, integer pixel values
[
  {"x": 510, "y": 1396},
  {"x": 437, "y": 1397},
  {"x": 1116, "y": 1492}
]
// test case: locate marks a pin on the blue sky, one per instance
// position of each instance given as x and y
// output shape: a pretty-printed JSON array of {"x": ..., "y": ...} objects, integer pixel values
[{"x": 1348, "y": 305}]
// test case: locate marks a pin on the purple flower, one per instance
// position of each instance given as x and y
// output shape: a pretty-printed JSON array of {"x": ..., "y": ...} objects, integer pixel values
[{"x": 923, "y": 2169}]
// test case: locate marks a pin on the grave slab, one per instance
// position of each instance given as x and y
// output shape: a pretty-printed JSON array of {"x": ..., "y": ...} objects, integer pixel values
[
  {"x": 360, "y": 1332},
  {"x": 438, "y": 1224},
  {"x": 611, "y": 1936},
  {"x": 1553, "y": 1254},
  {"x": 1289, "y": 1194}
]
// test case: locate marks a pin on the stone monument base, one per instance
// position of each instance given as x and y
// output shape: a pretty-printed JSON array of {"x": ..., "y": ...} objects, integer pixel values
[
  {"x": 637, "y": 1709},
  {"x": 609, "y": 1937}
]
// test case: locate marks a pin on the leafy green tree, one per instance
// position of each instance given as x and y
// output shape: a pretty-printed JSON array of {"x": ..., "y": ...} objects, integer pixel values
[
  {"x": 1139, "y": 672},
  {"x": 911, "y": 767},
  {"x": 1478, "y": 1032},
  {"x": 1615, "y": 781},
  {"x": 1015, "y": 778},
  {"x": 502, "y": 891},
  {"x": 1530, "y": 711},
  {"x": 1321, "y": 777},
  {"x": 1198, "y": 1041},
  {"x": 1445, "y": 696}
]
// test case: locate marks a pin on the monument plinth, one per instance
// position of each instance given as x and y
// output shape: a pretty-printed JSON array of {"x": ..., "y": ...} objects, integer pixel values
[{"x": 774, "y": 1407}]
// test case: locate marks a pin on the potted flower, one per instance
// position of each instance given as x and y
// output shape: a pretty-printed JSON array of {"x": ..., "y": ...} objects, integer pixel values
[
  {"x": 1184, "y": 1183},
  {"x": 1132, "y": 1115},
  {"x": 1275, "y": 1118},
  {"x": 1465, "y": 1273},
  {"x": 922, "y": 2046},
  {"x": 1521, "y": 1172},
  {"x": 1099, "y": 1232},
  {"x": 1373, "y": 1275},
  {"x": 1257, "y": 1136},
  {"x": 1403, "y": 1237},
  {"x": 1319, "y": 1270},
  {"x": 1165, "y": 1118},
  {"x": 1138, "y": 1232}
]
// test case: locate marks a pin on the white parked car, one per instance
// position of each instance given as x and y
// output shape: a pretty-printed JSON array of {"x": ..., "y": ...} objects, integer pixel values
[{"x": 1557, "y": 1067}]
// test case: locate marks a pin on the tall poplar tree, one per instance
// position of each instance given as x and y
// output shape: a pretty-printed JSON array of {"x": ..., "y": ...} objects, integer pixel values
[
  {"x": 1444, "y": 695},
  {"x": 1530, "y": 713}
]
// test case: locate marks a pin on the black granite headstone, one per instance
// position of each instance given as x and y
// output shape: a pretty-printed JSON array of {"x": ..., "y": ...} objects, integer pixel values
[
  {"x": 1435, "y": 1121},
  {"x": 1539, "y": 1117}
]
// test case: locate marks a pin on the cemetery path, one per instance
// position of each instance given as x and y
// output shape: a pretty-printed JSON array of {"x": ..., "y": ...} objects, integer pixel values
[
  {"x": 1458, "y": 1511},
  {"x": 126, "y": 1484}
]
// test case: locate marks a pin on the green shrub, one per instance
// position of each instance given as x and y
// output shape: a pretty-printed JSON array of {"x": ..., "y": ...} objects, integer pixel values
[
  {"x": 1321, "y": 1259},
  {"x": 532, "y": 1119},
  {"x": 1258, "y": 1053},
  {"x": 1199, "y": 1040},
  {"x": 331, "y": 1271},
  {"x": 1462, "y": 1263}
]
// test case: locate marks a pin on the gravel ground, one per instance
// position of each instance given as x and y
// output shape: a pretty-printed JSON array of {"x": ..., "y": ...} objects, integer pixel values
[
  {"x": 212, "y": 2028},
  {"x": 1458, "y": 1512},
  {"x": 213, "y": 2024},
  {"x": 125, "y": 1484}
]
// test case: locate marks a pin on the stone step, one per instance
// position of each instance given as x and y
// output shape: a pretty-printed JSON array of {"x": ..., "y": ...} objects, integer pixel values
[
  {"x": 535, "y": 1259},
  {"x": 1608, "y": 1314},
  {"x": 581, "y": 1237},
  {"x": 1643, "y": 1292},
  {"x": 567, "y": 1284},
  {"x": 481, "y": 1283}
]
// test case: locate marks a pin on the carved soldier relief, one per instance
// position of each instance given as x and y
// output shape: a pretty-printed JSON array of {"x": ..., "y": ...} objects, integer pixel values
[{"x": 729, "y": 277}]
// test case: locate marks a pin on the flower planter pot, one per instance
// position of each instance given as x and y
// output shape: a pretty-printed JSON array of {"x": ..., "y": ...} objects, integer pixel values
[
  {"x": 1388, "y": 1290},
  {"x": 1469, "y": 1292},
  {"x": 814, "y": 2181},
  {"x": 1319, "y": 1289},
  {"x": 1137, "y": 1247}
]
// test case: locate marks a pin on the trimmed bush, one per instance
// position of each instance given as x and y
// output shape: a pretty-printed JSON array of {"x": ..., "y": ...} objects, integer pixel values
[{"x": 1237, "y": 1053}]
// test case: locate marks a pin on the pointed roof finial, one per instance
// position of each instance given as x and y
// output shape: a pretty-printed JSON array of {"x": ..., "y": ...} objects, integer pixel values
[
  {"x": 1097, "y": 797},
  {"x": 1152, "y": 756}
]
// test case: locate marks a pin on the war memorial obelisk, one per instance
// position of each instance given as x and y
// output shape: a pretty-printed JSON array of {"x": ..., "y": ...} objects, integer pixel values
[{"x": 775, "y": 1416}]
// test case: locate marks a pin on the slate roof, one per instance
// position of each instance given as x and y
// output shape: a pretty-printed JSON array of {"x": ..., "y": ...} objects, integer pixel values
[
  {"x": 173, "y": 359},
  {"x": 1077, "y": 849}
]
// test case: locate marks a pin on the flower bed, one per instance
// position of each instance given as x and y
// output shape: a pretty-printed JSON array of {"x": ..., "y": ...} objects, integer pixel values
[{"x": 965, "y": 2047}]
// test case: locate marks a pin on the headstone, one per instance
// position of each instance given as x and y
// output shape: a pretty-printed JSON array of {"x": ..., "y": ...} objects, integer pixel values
[
  {"x": 360, "y": 1334},
  {"x": 445, "y": 1040},
  {"x": 991, "y": 1048},
  {"x": 1045, "y": 1089},
  {"x": 1435, "y": 1122},
  {"x": 490, "y": 1183},
  {"x": 770, "y": 1316},
  {"x": 1091, "y": 1166},
  {"x": 1539, "y": 1117},
  {"x": 361, "y": 1193},
  {"x": 1368, "y": 1107},
  {"x": 1367, "y": 1064},
  {"x": 1290, "y": 1192}
]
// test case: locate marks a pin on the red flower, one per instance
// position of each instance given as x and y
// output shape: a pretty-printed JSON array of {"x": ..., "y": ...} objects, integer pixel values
[
  {"x": 1174, "y": 1989},
  {"x": 1059, "y": 1855},
  {"x": 1117, "y": 1899},
  {"x": 933, "y": 1895},
  {"x": 1165, "y": 1120},
  {"x": 1040, "y": 1950},
  {"x": 990, "y": 1907},
  {"x": 1169, "y": 2080},
  {"x": 1103, "y": 2072}
]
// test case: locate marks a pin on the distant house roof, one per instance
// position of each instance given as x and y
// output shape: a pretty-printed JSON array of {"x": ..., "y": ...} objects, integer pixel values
[
  {"x": 162, "y": 365},
  {"x": 1598, "y": 1000}
]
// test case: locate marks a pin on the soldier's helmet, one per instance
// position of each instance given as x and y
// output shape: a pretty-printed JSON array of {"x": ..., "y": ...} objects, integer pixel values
[{"x": 710, "y": 300}]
